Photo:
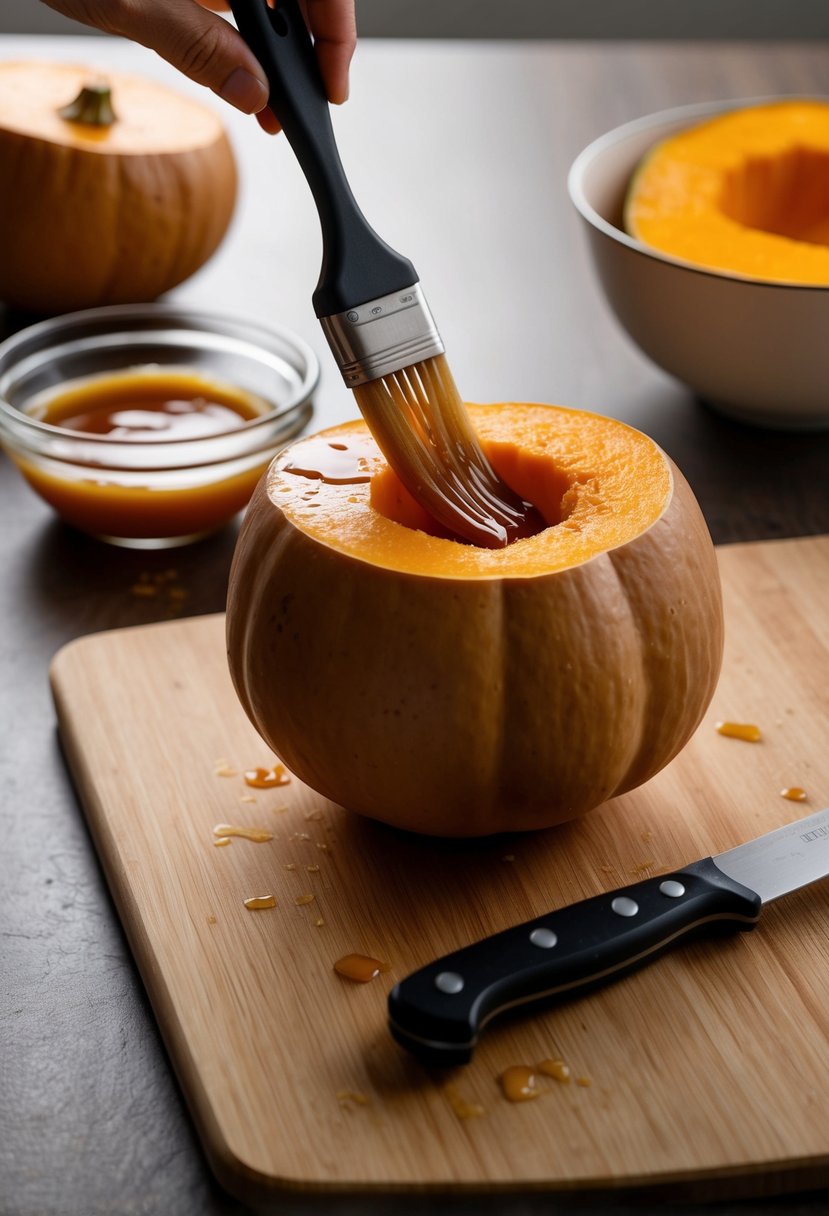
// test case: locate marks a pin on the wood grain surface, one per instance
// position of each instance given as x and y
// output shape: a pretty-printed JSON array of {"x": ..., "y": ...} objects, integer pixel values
[{"x": 713, "y": 1061}]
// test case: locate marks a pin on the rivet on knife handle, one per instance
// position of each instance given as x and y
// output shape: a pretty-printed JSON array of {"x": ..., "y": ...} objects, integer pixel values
[{"x": 439, "y": 1012}]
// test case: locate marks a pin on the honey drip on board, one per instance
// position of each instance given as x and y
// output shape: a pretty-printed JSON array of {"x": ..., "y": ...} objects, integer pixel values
[
  {"x": 347, "y": 1096},
  {"x": 301, "y": 900},
  {"x": 257, "y": 835},
  {"x": 643, "y": 867},
  {"x": 459, "y": 1104},
  {"x": 267, "y": 778},
  {"x": 257, "y": 902},
  {"x": 518, "y": 1083},
  {"x": 740, "y": 730},
  {"x": 360, "y": 968},
  {"x": 556, "y": 1069},
  {"x": 794, "y": 793},
  {"x": 222, "y": 841}
]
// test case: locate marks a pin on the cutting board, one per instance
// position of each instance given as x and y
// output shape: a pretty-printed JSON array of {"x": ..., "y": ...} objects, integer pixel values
[{"x": 710, "y": 1064}]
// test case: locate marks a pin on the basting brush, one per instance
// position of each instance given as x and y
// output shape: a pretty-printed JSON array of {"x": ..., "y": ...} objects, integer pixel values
[{"x": 373, "y": 312}]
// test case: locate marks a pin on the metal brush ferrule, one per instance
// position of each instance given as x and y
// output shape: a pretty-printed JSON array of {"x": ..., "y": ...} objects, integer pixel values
[{"x": 382, "y": 336}]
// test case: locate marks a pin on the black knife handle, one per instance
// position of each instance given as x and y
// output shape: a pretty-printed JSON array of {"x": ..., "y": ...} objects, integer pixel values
[
  {"x": 357, "y": 265},
  {"x": 439, "y": 1012}
]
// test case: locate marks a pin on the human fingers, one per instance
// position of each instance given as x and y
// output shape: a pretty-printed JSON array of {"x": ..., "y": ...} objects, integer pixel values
[
  {"x": 199, "y": 43},
  {"x": 268, "y": 121},
  {"x": 334, "y": 27}
]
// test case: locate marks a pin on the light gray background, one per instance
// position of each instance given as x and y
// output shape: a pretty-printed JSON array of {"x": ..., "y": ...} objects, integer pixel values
[{"x": 744, "y": 19}]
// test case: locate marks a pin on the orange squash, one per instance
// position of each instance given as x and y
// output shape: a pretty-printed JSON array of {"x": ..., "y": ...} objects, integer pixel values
[
  {"x": 459, "y": 691},
  {"x": 744, "y": 193},
  {"x": 111, "y": 195}
]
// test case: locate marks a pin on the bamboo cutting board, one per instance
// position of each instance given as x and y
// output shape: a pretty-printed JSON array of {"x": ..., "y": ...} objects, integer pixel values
[{"x": 709, "y": 1064}]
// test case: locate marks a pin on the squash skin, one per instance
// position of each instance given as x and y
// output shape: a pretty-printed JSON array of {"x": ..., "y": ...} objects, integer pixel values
[
  {"x": 466, "y": 707},
  {"x": 84, "y": 224}
]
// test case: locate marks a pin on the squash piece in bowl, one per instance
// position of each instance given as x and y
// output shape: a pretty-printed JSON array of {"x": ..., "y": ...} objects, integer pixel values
[
  {"x": 459, "y": 691},
  {"x": 707, "y": 227},
  {"x": 745, "y": 193}
]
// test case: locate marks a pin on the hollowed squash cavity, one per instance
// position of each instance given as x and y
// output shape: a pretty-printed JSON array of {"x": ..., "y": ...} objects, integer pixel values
[{"x": 745, "y": 193}]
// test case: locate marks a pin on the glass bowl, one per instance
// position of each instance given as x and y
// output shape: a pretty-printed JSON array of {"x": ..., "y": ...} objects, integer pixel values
[{"x": 151, "y": 493}]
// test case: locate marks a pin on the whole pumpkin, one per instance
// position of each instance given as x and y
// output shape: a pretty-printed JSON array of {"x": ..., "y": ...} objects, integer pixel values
[
  {"x": 459, "y": 691},
  {"x": 112, "y": 192},
  {"x": 744, "y": 193}
]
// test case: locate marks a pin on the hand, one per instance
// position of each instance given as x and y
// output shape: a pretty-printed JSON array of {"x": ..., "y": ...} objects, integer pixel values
[{"x": 210, "y": 51}]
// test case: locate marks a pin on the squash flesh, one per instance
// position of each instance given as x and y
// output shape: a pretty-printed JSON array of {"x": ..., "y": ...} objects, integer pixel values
[
  {"x": 744, "y": 193},
  {"x": 447, "y": 699},
  {"x": 598, "y": 482}
]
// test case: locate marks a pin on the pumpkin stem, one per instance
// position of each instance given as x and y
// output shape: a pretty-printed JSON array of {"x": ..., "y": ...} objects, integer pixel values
[{"x": 92, "y": 106}]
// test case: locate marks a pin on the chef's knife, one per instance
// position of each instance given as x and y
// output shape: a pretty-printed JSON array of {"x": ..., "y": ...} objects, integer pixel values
[{"x": 439, "y": 1012}]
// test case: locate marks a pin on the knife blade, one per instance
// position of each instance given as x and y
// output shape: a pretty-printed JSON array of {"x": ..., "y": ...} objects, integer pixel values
[{"x": 439, "y": 1012}]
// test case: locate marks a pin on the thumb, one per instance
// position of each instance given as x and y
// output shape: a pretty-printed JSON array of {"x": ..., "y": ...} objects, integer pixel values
[{"x": 199, "y": 43}]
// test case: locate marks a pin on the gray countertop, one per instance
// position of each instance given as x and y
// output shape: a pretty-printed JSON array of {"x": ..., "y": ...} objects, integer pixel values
[{"x": 459, "y": 154}]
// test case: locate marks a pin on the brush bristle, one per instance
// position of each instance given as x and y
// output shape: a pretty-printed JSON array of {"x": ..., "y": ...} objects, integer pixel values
[{"x": 421, "y": 425}]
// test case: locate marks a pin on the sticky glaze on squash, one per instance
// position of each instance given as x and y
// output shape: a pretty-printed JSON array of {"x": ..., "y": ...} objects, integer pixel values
[
  {"x": 460, "y": 691},
  {"x": 105, "y": 212},
  {"x": 744, "y": 193}
]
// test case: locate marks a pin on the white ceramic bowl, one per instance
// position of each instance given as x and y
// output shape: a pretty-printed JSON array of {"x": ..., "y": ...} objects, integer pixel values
[{"x": 756, "y": 350}]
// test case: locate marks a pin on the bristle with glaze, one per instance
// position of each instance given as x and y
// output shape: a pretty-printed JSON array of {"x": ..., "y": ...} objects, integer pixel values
[{"x": 420, "y": 423}]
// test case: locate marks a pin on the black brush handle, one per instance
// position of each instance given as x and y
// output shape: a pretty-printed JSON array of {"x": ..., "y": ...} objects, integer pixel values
[
  {"x": 439, "y": 1011},
  {"x": 357, "y": 265}
]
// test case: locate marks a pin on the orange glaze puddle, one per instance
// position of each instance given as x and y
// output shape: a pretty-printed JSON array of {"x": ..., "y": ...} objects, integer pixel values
[
  {"x": 267, "y": 778},
  {"x": 257, "y": 902},
  {"x": 794, "y": 793},
  {"x": 360, "y": 968},
  {"x": 143, "y": 405},
  {"x": 154, "y": 405},
  {"x": 740, "y": 730},
  {"x": 459, "y": 1104},
  {"x": 162, "y": 587},
  {"x": 556, "y": 1069},
  {"x": 346, "y": 1096},
  {"x": 643, "y": 867},
  {"x": 518, "y": 1083},
  {"x": 333, "y": 461},
  {"x": 257, "y": 835}
]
